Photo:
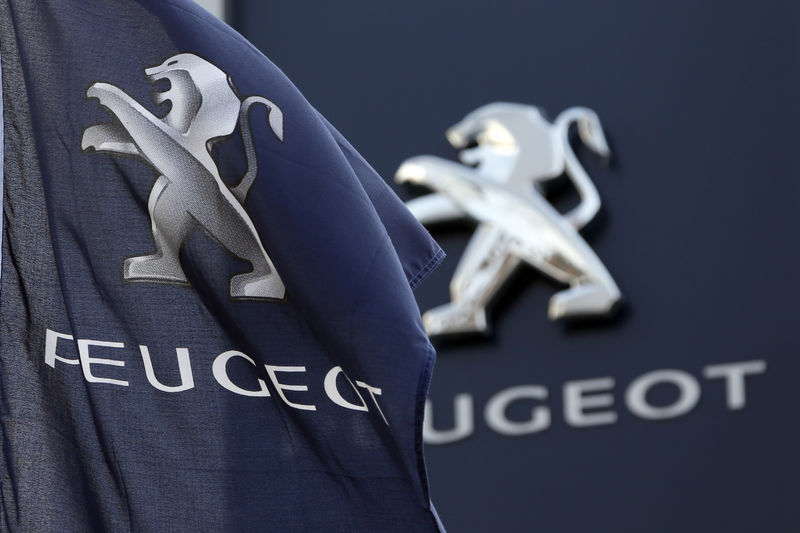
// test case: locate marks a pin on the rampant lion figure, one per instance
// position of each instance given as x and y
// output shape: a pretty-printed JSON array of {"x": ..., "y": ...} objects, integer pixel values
[
  {"x": 517, "y": 150},
  {"x": 189, "y": 192}
]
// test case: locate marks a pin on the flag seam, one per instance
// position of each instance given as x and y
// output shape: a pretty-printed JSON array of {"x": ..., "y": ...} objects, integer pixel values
[{"x": 429, "y": 267}]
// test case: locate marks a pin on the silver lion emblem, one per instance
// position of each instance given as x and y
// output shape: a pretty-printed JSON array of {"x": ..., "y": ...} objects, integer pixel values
[
  {"x": 189, "y": 193},
  {"x": 498, "y": 186}
]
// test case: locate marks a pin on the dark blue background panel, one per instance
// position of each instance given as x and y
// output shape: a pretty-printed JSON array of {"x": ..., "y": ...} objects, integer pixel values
[{"x": 698, "y": 227}]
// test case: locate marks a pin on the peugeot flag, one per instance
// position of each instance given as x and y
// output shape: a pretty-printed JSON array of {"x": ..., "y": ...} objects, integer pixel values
[{"x": 206, "y": 308}]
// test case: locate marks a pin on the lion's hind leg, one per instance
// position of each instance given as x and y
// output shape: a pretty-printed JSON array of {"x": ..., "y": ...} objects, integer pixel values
[
  {"x": 591, "y": 291},
  {"x": 258, "y": 283},
  {"x": 170, "y": 224},
  {"x": 484, "y": 268},
  {"x": 454, "y": 318},
  {"x": 584, "y": 298},
  {"x": 228, "y": 223}
]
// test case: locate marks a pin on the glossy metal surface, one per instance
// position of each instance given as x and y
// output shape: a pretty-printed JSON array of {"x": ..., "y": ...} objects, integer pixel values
[{"x": 498, "y": 186}]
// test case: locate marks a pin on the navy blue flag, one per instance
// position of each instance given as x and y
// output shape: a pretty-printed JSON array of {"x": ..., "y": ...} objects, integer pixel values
[{"x": 205, "y": 303}]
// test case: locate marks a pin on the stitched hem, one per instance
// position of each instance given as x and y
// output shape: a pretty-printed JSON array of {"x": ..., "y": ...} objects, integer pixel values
[
  {"x": 429, "y": 267},
  {"x": 419, "y": 413}
]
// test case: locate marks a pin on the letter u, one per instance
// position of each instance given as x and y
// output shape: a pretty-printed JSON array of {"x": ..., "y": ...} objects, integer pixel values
[{"x": 184, "y": 365}]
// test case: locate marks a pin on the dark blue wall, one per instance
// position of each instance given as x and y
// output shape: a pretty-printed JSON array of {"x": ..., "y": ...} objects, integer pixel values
[{"x": 699, "y": 227}]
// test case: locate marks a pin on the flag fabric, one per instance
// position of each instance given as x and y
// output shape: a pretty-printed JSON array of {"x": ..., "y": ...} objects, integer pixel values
[{"x": 206, "y": 317}]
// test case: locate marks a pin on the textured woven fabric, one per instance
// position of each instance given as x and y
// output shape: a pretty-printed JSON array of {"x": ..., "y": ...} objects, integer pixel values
[{"x": 206, "y": 320}]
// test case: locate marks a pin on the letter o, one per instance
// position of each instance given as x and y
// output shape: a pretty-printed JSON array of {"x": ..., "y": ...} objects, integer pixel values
[
  {"x": 333, "y": 391},
  {"x": 688, "y": 389}
]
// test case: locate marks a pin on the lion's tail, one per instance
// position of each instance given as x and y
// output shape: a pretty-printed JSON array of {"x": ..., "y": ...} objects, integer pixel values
[
  {"x": 591, "y": 133},
  {"x": 275, "y": 118}
]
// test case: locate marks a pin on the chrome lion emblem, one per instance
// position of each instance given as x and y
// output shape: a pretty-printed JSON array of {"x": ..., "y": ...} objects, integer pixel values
[
  {"x": 189, "y": 193},
  {"x": 498, "y": 186}
]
